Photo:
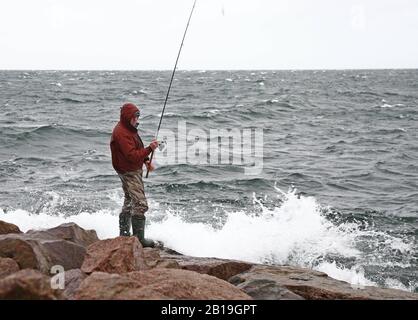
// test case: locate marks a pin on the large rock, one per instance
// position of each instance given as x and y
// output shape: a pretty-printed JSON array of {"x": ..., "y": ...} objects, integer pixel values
[
  {"x": 27, "y": 285},
  {"x": 41, "y": 254},
  {"x": 7, "y": 267},
  {"x": 118, "y": 255},
  {"x": 159, "y": 284},
  {"x": 153, "y": 259},
  {"x": 220, "y": 268},
  {"x": 6, "y": 228},
  {"x": 25, "y": 252},
  {"x": 42, "y": 249},
  {"x": 73, "y": 279},
  {"x": 266, "y": 289},
  {"x": 69, "y": 232},
  {"x": 67, "y": 254},
  {"x": 308, "y": 284}
]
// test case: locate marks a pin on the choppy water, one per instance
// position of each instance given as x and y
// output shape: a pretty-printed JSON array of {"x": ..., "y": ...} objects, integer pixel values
[{"x": 346, "y": 140}]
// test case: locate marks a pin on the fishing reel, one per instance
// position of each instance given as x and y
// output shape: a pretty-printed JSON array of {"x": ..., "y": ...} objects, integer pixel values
[{"x": 162, "y": 145}]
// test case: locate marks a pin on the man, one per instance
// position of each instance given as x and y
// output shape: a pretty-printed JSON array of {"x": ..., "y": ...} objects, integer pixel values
[{"x": 128, "y": 158}]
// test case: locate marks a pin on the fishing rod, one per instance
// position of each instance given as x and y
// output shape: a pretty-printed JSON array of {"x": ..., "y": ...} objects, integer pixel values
[{"x": 171, "y": 82}]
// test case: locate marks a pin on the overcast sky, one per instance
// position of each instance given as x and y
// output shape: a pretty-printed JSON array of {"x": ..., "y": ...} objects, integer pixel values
[{"x": 224, "y": 34}]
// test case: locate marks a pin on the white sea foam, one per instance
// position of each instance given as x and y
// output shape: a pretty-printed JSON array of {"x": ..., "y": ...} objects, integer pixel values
[
  {"x": 354, "y": 275},
  {"x": 386, "y": 106},
  {"x": 212, "y": 113},
  {"x": 396, "y": 284},
  {"x": 103, "y": 221},
  {"x": 294, "y": 231}
]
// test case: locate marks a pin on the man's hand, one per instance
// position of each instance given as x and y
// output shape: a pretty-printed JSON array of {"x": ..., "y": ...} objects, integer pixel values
[
  {"x": 154, "y": 144},
  {"x": 150, "y": 166}
]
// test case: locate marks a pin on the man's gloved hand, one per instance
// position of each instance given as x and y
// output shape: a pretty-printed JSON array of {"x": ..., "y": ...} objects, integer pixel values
[
  {"x": 154, "y": 144},
  {"x": 149, "y": 165}
]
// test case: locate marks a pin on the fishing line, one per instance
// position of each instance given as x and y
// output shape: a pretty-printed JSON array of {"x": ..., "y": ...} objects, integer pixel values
[{"x": 171, "y": 82}]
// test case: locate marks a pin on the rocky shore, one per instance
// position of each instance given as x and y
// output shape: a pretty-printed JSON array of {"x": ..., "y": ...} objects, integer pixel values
[{"x": 32, "y": 265}]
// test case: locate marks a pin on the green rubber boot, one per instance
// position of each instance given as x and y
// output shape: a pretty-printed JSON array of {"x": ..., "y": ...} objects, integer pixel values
[
  {"x": 138, "y": 228},
  {"x": 124, "y": 224}
]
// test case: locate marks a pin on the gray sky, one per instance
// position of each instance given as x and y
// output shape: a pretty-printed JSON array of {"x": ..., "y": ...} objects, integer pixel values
[{"x": 224, "y": 34}]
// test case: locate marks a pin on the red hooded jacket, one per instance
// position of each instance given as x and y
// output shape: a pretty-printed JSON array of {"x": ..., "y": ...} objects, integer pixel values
[{"x": 128, "y": 152}]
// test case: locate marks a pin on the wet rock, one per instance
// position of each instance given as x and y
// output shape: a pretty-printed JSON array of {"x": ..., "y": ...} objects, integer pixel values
[
  {"x": 220, "y": 268},
  {"x": 170, "y": 264},
  {"x": 158, "y": 284},
  {"x": 69, "y": 232},
  {"x": 41, "y": 254},
  {"x": 154, "y": 260},
  {"x": 67, "y": 254},
  {"x": 118, "y": 255},
  {"x": 73, "y": 280},
  {"x": 27, "y": 285},
  {"x": 6, "y": 228},
  {"x": 7, "y": 267},
  {"x": 152, "y": 257},
  {"x": 264, "y": 281},
  {"x": 25, "y": 252},
  {"x": 266, "y": 289}
]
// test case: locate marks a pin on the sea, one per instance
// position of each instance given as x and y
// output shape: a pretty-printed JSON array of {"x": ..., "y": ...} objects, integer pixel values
[{"x": 336, "y": 188}]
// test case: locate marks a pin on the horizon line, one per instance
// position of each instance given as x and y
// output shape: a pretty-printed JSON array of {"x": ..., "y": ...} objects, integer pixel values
[{"x": 209, "y": 69}]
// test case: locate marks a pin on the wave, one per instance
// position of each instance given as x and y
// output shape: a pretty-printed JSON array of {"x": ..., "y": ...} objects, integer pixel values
[
  {"x": 200, "y": 185},
  {"x": 202, "y": 115},
  {"x": 215, "y": 184},
  {"x": 389, "y": 131},
  {"x": 389, "y": 171},
  {"x": 277, "y": 103},
  {"x": 371, "y": 93},
  {"x": 392, "y": 93},
  {"x": 72, "y": 100},
  {"x": 354, "y": 93},
  {"x": 53, "y": 131}
]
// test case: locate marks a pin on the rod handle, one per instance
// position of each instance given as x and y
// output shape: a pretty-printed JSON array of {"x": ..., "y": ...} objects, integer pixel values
[{"x": 150, "y": 161}]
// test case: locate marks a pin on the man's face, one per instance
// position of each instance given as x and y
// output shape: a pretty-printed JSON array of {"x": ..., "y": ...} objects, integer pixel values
[{"x": 135, "y": 120}]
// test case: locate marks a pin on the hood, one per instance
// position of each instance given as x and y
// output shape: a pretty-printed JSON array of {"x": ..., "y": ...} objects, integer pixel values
[{"x": 126, "y": 113}]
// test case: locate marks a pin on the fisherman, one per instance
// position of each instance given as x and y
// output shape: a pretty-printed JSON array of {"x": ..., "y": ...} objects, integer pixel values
[{"x": 128, "y": 158}]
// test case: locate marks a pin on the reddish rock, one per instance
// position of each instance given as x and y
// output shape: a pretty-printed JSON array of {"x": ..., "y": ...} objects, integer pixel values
[
  {"x": 41, "y": 254},
  {"x": 154, "y": 260},
  {"x": 309, "y": 284},
  {"x": 152, "y": 257},
  {"x": 106, "y": 286},
  {"x": 26, "y": 253},
  {"x": 73, "y": 279},
  {"x": 6, "y": 228},
  {"x": 69, "y": 232},
  {"x": 67, "y": 254},
  {"x": 220, "y": 268},
  {"x": 184, "y": 284},
  {"x": 266, "y": 289},
  {"x": 7, "y": 267},
  {"x": 40, "y": 250},
  {"x": 159, "y": 284},
  {"x": 168, "y": 264},
  {"x": 118, "y": 255},
  {"x": 27, "y": 285}
]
